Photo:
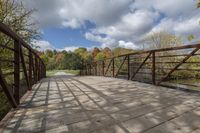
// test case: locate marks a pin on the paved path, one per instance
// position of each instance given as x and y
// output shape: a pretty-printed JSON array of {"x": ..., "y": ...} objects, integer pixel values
[{"x": 89, "y": 104}]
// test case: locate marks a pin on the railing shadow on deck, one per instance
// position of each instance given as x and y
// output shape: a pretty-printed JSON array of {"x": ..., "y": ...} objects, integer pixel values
[
  {"x": 48, "y": 115},
  {"x": 20, "y": 68},
  {"x": 175, "y": 67}
]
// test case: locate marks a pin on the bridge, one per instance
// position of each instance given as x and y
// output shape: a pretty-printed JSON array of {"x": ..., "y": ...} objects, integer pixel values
[{"x": 146, "y": 91}]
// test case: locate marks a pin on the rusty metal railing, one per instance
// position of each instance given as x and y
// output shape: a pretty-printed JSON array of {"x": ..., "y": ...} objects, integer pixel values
[
  {"x": 168, "y": 66},
  {"x": 20, "y": 68}
]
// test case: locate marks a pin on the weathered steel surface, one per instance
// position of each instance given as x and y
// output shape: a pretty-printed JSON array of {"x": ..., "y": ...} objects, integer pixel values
[
  {"x": 13, "y": 89},
  {"x": 153, "y": 66}
]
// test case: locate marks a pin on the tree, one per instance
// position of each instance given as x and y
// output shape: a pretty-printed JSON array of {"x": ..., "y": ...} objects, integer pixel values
[
  {"x": 51, "y": 64},
  {"x": 100, "y": 56},
  {"x": 59, "y": 57},
  {"x": 161, "y": 39},
  {"x": 18, "y": 18},
  {"x": 107, "y": 52},
  {"x": 44, "y": 58},
  {"x": 120, "y": 51},
  {"x": 95, "y": 52},
  {"x": 49, "y": 53},
  {"x": 198, "y": 4},
  {"x": 191, "y": 37},
  {"x": 84, "y": 54},
  {"x": 80, "y": 51}
]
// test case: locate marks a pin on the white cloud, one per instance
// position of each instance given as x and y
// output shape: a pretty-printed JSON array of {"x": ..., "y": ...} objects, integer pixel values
[
  {"x": 42, "y": 45},
  {"x": 170, "y": 8},
  {"x": 73, "y": 23},
  {"x": 190, "y": 26},
  {"x": 182, "y": 28},
  {"x": 119, "y": 22},
  {"x": 130, "y": 25},
  {"x": 73, "y": 13},
  {"x": 70, "y": 48},
  {"x": 129, "y": 45},
  {"x": 108, "y": 42},
  {"x": 105, "y": 41}
]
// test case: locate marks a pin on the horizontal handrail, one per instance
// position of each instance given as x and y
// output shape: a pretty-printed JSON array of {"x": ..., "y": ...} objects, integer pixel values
[
  {"x": 153, "y": 62},
  {"x": 155, "y": 50},
  {"x": 6, "y": 30},
  {"x": 26, "y": 62}
]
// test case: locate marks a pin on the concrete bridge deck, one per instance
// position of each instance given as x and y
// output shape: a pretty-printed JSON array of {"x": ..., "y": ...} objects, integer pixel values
[{"x": 66, "y": 103}]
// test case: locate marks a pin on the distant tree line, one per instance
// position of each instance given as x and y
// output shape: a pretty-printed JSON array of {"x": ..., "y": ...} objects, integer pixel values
[{"x": 73, "y": 60}]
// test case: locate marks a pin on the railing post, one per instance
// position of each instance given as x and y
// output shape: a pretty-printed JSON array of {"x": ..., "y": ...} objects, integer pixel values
[
  {"x": 7, "y": 91},
  {"x": 95, "y": 69},
  {"x": 17, "y": 71},
  {"x": 36, "y": 70},
  {"x": 90, "y": 69},
  {"x": 113, "y": 67},
  {"x": 45, "y": 70},
  {"x": 41, "y": 74},
  {"x": 30, "y": 68},
  {"x": 153, "y": 68},
  {"x": 44, "y": 76},
  {"x": 39, "y": 69},
  {"x": 24, "y": 67},
  {"x": 85, "y": 69},
  {"x": 128, "y": 66},
  {"x": 103, "y": 65}
]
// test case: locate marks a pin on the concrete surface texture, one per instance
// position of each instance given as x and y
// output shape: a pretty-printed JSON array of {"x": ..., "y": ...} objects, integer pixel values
[{"x": 89, "y": 104}]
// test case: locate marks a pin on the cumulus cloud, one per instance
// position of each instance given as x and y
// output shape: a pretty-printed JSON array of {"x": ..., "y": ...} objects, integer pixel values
[
  {"x": 109, "y": 42},
  {"x": 42, "y": 45},
  {"x": 70, "y": 48},
  {"x": 73, "y": 13},
  {"x": 120, "y": 22},
  {"x": 129, "y": 45},
  {"x": 130, "y": 25},
  {"x": 105, "y": 41}
]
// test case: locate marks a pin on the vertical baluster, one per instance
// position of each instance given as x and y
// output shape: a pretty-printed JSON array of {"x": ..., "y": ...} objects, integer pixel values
[
  {"x": 17, "y": 71},
  {"x": 86, "y": 72},
  {"x": 45, "y": 70},
  {"x": 39, "y": 69},
  {"x": 103, "y": 65},
  {"x": 113, "y": 67},
  {"x": 153, "y": 68},
  {"x": 128, "y": 66},
  {"x": 36, "y": 69},
  {"x": 30, "y": 68},
  {"x": 95, "y": 68}
]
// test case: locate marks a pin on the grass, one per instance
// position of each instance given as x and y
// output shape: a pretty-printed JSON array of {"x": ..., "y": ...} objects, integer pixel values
[{"x": 52, "y": 72}]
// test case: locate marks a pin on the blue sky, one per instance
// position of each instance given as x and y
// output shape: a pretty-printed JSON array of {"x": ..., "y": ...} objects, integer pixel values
[
  {"x": 69, "y": 24},
  {"x": 65, "y": 37},
  {"x": 60, "y": 37}
]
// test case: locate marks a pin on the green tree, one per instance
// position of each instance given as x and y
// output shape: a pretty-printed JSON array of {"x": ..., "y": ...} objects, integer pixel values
[
  {"x": 120, "y": 51},
  {"x": 100, "y": 56},
  {"x": 44, "y": 58},
  {"x": 80, "y": 51},
  {"x": 49, "y": 53},
  {"x": 95, "y": 52},
  {"x": 84, "y": 54},
  {"x": 191, "y": 37},
  {"x": 18, "y": 18},
  {"x": 72, "y": 61},
  {"x": 198, "y": 4}
]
